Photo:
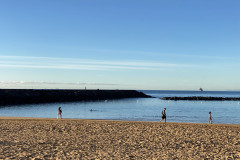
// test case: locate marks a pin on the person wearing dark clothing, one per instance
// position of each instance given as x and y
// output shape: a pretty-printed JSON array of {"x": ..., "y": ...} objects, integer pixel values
[
  {"x": 59, "y": 113},
  {"x": 164, "y": 115}
]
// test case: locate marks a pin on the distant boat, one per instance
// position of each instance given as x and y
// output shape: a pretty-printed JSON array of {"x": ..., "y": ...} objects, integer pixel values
[{"x": 200, "y": 89}]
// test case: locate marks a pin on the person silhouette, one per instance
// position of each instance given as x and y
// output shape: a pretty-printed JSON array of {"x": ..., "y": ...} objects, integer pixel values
[
  {"x": 210, "y": 118},
  {"x": 59, "y": 113},
  {"x": 164, "y": 115}
]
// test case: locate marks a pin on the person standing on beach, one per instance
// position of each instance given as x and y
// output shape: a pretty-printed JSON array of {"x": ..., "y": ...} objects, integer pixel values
[
  {"x": 164, "y": 115},
  {"x": 59, "y": 113},
  {"x": 210, "y": 118}
]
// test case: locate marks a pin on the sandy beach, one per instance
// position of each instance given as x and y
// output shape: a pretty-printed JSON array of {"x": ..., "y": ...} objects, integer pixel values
[{"x": 42, "y": 138}]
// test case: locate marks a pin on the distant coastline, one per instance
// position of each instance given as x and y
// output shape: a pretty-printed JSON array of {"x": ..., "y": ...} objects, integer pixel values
[{"x": 34, "y": 96}]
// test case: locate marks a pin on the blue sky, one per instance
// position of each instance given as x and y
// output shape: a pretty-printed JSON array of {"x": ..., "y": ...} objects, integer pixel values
[{"x": 120, "y": 44}]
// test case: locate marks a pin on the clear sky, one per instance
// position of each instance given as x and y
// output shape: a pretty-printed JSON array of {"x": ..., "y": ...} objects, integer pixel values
[{"x": 120, "y": 44}]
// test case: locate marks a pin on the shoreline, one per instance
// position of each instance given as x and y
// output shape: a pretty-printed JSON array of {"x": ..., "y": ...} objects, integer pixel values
[
  {"x": 109, "y": 120},
  {"x": 51, "y": 138}
]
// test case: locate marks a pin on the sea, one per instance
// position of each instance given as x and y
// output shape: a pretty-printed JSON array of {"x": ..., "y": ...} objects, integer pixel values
[{"x": 140, "y": 109}]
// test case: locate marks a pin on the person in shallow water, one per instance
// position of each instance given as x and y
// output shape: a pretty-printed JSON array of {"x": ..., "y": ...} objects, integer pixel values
[
  {"x": 210, "y": 118},
  {"x": 59, "y": 113},
  {"x": 164, "y": 115}
]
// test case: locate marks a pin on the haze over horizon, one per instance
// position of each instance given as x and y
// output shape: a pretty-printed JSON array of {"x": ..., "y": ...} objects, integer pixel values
[{"x": 143, "y": 45}]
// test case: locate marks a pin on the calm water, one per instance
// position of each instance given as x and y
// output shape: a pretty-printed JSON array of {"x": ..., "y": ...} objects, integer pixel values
[{"x": 140, "y": 109}]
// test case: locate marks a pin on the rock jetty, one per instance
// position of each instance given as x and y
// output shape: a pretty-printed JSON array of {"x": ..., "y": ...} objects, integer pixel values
[
  {"x": 202, "y": 98},
  {"x": 32, "y": 96}
]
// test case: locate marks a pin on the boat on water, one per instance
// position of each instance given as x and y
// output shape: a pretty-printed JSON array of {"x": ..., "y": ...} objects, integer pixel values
[{"x": 200, "y": 89}]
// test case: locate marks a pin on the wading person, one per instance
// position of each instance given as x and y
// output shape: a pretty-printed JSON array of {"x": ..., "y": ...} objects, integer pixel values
[
  {"x": 59, "y": 113},
  {"x": 164, "y": 115},
  {"x": 210, "y": 118}
]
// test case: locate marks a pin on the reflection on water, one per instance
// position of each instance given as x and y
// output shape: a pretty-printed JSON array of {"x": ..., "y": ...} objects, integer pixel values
[{"x": 137, "y": 109}]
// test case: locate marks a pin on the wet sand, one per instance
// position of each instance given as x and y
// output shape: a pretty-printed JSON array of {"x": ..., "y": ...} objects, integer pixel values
[{"x": 42, "y": 138}]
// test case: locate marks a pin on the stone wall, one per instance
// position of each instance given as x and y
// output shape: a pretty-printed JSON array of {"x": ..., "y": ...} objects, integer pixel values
[{"x": 29, "y": 96}]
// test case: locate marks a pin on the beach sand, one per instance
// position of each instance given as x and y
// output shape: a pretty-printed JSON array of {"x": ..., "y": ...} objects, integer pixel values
[{"x": 42, "y": 138}]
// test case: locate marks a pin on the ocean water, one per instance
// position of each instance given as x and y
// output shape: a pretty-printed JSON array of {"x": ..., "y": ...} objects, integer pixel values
[{"x": 140, "y": 109}]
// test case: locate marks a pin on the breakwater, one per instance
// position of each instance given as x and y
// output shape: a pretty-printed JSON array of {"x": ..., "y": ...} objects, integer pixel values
[
  {"x": 32, "y": 96},
  {"x": 202, "y": 98}
]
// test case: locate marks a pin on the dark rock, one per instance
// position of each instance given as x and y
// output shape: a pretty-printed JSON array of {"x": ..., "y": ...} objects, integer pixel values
[
  {"x": 31, "y": 96},
  {"x": 202, "y": 98}
]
